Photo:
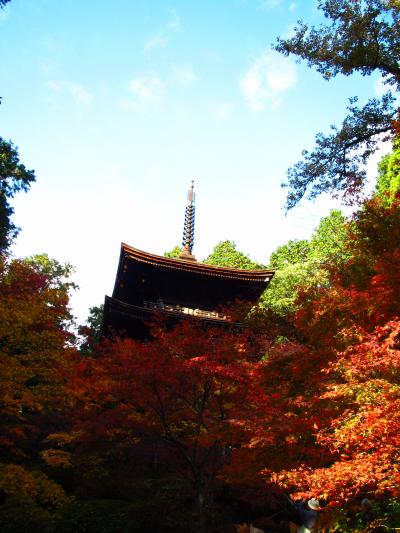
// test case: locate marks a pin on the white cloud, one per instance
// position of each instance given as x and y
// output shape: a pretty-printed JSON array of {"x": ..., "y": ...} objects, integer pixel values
[
  {"x": 156, "y": 41},
  {"x": 145, "y": 91},
  {"x": 53, "y": 86},
  {"x": 184, "y": 75},
  {"x": 79, "y": 94},
  {"x": 292, "y": 7},
  {"x": 223, "y": 112},
  {"x": 76, "y": 90},
  {"x": 270, "y": 4},
  {"x": 163, "y": 36},
  {"x": 268, "y": 77}
]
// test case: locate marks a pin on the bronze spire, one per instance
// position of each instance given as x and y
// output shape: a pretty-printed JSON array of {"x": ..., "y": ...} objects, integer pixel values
[{"x": 188, "y": 228}]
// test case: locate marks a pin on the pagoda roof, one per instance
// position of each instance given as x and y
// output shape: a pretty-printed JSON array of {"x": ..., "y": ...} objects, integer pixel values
[
  {"x": 262, "y": 276},
  {"x": 144, "y": 279}
]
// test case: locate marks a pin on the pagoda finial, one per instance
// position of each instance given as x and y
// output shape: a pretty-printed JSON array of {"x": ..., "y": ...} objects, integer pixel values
[{"x": 188, "y": 228}]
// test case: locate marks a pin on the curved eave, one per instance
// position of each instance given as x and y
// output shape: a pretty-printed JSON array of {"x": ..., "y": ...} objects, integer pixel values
[{"x": 255, "y": 276}]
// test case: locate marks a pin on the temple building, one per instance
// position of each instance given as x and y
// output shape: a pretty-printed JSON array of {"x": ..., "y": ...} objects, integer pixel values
[{"x": 179, "y": 288}]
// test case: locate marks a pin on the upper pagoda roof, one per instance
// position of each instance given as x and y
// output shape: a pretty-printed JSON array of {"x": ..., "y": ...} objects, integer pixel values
[
  {"x": 145, "y": 277},
  {"x": 255, "y": 276}
]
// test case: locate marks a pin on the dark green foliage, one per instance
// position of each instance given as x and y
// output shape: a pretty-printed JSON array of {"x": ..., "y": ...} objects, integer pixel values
[
  {"x": 337, "y": 164},
  {"x": 149, "y": 506},
  {"x": 14, "y": 177},
  {"x": 361, "y": 36},
  {"x": 102, "y": 516},
  {"x": 91, "y": 334},
  {"x": 226, "y": 255},
  {"x": 95, "y": 318}
]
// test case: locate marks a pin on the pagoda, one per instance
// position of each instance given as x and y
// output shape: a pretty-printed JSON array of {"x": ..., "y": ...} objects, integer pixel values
[{"x": 147, "y": 284}]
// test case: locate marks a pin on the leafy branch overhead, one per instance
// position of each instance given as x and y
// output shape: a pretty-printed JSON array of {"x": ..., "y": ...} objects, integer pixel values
[
  {"x": 14, "y": 177},
  {"x": 363, "y": 37}
]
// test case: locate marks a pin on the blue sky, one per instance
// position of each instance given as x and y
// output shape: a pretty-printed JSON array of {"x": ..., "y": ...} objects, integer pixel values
[{"x": 118, "y": 105}]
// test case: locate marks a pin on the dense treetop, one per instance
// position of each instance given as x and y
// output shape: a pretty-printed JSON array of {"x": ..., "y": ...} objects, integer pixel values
[{"x": 226, "y": 254}]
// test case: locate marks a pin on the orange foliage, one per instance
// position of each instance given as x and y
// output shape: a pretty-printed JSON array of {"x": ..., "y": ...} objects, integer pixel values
[
  {"x": 32, "y": 353},
  {"x": 346, "y": 383}
]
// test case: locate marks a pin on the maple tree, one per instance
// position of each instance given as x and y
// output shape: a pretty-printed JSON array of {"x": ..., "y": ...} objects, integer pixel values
[
  {"x": 34, "y": 348},
  {"x": 192, "y": 392},
  {"x": 338, "y": 391}
]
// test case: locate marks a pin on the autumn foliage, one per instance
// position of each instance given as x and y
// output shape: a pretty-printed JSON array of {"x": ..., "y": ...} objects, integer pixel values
[
  {"x": 349, "y": 390},
  {"x": 203, "y": 412},
  {"x": 33, "y": 351},
  {"x": 190, "y": 396}
]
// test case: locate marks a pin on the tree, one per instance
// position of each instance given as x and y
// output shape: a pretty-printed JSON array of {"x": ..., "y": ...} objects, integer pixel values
[
  {"x": 34, "y": 353},
  {"x": 32, "y": 501},
  {"x": 328, "y": 241},
  {"x": 293, "y": 252},
  {"x": 58, "y": 275},
  {"x": 92, "y": 332},
  {"x": 304, "y": 264},
  {"x": 339, "y": 390},
  {"x": 282, "y": 295},
  {"x": 174, "y": 253},
  {"x": 225, "y": 254},
  {"x": 388, "y": 182},
  {"x": 362, "y": 36},
  {"x": 191, "y": 395},
  {"x": 14, "y": 177}
]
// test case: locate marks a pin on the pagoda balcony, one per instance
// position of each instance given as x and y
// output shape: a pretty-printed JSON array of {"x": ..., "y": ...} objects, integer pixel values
[{"x": 176, "y": 308}]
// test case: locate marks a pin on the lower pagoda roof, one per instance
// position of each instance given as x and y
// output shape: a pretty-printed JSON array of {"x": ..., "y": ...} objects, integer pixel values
[{"x": 147, "y": 284}]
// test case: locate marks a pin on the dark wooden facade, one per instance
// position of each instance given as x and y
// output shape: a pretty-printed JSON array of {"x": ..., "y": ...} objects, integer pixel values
[{"x": 148, "y": 283}]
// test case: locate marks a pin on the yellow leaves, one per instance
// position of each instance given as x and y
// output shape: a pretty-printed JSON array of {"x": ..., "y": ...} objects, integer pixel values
[
  {"x": 33, "y": 354},
  {"x": 32, "y": 491},
  {"x": 57, "y": 458}
]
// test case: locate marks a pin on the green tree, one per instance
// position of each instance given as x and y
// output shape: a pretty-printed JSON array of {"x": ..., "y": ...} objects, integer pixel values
[
  {"x": 58, "y": 274},
  {"x": 303, "y": 264},
  {"x": 328, "y": 241},
  {"x": 92, "y": 332},
  {"x": 14, "y": 177},
  {"x": 388, "y": 182},
  {"x": 226, "y": 255},
  {"x": 296, "y": 251},
  {"x": 282, "y": 295},
  {"x": 174, "y": 253},
  {"x": 361, "y": 36}
]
